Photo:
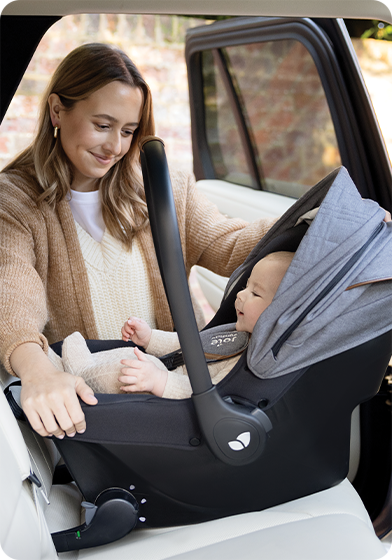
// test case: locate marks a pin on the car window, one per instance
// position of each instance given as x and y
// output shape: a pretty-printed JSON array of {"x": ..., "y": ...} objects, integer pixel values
[
  {"x": 372, "y": 42},
  {"x": 268, "y": 94}
]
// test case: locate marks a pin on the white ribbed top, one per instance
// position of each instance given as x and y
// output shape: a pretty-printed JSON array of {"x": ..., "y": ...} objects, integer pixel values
[
  {"x": 86, "y": 209},
  {"x": 119, "y": 283}
]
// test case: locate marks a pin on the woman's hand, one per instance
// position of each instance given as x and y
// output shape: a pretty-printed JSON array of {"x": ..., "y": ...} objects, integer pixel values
[
  {"x": 142, "y": 376},
  {"x": 136, "y": 330},
  {"x": 49, "y": 397}
]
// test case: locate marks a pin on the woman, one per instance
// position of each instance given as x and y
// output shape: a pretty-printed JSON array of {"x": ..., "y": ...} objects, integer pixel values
[{"x": 76, "y": 250}]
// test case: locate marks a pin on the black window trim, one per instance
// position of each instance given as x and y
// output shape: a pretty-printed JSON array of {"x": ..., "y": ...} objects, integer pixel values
[
  {"x": 244, "y": 128},
  {"x": 19, "y": 38}
]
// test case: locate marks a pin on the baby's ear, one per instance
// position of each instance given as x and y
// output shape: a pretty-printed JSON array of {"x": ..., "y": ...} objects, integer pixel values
[{"x": 76, "y": 355}]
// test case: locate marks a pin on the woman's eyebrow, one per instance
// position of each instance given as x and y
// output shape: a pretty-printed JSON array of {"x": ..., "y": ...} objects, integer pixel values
[{"x": 113, "y": 119}]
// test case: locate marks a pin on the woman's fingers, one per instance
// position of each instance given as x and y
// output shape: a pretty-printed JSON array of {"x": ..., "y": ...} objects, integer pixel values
[
  {"x": 84, "y": 392},
  {"x": 49, "y": 422},
  {"x": 49, "y": 397},
  {"x": 53, "y": 408},
  {"x": 37, "y": 425}
]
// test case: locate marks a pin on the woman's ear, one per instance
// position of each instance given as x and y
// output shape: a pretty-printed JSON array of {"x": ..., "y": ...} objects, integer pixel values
[{"x": 55, "y": 106}]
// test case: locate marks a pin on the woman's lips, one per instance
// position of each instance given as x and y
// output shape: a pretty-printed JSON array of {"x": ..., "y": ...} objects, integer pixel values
[{"x": 104, "y": 160}]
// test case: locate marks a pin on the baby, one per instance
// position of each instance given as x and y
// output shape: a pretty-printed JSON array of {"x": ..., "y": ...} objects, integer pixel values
[{"x": 133, "y": 371}]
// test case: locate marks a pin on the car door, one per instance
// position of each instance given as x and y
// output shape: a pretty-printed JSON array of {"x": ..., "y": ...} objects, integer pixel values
[{"x": 276, "y": 104}]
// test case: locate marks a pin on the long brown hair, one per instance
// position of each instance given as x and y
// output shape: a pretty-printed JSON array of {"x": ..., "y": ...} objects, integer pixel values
[{"x": 82, "y": 72}]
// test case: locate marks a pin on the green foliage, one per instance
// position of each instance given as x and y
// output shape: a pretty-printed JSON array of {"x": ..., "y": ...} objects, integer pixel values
[{"x": 379, "y": 30}]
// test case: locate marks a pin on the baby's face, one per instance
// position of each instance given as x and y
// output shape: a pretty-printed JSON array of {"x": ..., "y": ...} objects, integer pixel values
[{"x": 260, "y": 289}]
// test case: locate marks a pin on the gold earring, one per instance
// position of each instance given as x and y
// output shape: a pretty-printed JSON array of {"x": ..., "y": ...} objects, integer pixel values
[{"x": 56, "y": 128}]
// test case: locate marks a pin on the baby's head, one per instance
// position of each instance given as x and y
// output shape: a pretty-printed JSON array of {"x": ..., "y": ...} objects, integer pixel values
[{"x": 260, "y": 289}]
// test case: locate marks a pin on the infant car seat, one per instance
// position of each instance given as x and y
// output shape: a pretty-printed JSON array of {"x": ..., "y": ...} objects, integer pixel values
[{"x": 278, "y": 426}]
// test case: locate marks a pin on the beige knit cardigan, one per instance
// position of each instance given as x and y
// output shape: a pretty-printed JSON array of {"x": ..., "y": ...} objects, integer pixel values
[{"x": 44, "y": 289}]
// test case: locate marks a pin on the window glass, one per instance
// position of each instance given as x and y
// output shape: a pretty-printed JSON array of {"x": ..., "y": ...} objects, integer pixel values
[
  {"x": 222, "y": 131},
  {"x": 284, "y": 108},
  {"x": 372, "y": 41}
]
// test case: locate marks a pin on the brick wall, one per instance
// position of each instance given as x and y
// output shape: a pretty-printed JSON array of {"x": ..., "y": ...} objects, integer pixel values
[
  {"x": 154, "y": 43},
  {"x": 287, "y": 110}
]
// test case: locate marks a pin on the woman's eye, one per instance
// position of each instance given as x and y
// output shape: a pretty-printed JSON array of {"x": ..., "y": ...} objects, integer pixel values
[
  {"x": 102, "y": 126},
  {"x": 127, "y": 132}
]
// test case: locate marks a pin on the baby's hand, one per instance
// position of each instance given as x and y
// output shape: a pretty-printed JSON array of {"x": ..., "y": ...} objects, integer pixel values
[
  {"x": 142, "y": 376},
  {"x": 136, "y": 330}
]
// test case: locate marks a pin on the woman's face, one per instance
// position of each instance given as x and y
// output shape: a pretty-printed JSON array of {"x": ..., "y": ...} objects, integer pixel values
[{"x": 98, "y": 131}]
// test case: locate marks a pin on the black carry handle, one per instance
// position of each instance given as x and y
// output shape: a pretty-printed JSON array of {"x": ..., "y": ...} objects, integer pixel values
[
  {"x": 235, "y": 434},
  {"x": 164, "y": 227}
]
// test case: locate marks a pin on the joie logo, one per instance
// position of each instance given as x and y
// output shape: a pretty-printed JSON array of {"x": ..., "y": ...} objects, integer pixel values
[{"x": 242, "y": 441}]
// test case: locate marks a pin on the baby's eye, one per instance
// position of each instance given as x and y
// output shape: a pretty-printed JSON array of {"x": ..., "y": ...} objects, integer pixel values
[{"x": 257, "y": 295}]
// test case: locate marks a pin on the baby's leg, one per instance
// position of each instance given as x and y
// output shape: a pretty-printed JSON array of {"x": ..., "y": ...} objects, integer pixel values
[{"x": 100, "y": 370}]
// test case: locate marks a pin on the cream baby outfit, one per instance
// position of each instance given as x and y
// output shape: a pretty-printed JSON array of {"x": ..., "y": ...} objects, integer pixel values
[{"x": 101, "y": 370}]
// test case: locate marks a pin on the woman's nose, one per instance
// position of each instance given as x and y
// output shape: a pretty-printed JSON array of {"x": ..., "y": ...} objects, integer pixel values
[{"x": 113, "y": 144}]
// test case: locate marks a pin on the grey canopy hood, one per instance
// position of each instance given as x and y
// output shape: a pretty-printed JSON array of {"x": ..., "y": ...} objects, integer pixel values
[{"x": 337, "y": 292}]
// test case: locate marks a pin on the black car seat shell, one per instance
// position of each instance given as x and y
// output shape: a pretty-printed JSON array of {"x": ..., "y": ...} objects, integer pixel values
[{"x": 157, "y": 449}]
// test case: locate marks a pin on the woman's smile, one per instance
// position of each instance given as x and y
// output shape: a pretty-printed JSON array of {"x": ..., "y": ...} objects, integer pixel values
[
  {"x": 104, "y": 160},
  {"x": 98, "y": 131}
]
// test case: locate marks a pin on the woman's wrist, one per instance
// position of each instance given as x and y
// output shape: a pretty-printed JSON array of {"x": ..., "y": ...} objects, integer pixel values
[{"x": 29, "y": 361}]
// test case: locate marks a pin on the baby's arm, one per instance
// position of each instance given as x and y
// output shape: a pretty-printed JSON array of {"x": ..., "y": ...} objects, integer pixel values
[
  {"x": 142, "y": 376},
  {"x": 136, "y": 330}
]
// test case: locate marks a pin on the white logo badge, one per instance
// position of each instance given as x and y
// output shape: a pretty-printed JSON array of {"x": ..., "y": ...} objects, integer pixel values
[{"x": 242, "y": 441}]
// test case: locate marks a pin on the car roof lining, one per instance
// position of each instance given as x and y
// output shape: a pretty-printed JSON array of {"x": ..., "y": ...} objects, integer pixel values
[{"x": 372, "y": 9}]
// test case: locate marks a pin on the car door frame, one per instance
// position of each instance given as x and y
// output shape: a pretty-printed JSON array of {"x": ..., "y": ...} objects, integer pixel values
[{"x": 364, "y": 155}]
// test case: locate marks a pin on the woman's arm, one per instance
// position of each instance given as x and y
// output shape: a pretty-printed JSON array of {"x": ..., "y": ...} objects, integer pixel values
[
  {"x": 211, "y": 239},
  {"x": 49, "y": 397},
  {"x": 47, "y": 394}
]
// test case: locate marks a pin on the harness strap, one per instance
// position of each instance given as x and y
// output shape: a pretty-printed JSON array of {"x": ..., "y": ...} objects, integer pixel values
[{"x": 219, "y": 343}]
